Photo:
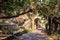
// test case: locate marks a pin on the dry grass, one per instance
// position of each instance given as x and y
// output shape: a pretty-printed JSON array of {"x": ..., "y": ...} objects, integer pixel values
[{"x": 54, "y": 37}]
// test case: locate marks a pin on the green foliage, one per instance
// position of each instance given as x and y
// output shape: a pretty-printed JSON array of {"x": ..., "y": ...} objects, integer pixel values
[
  {"x": 50, "y": 2},
  {"x": 26, "y": 30},
  {"x": 10, "y": 5},
  {"x": 46, "y": 7},
  {"x": 22, "y": 27},
  {"x": 9, "y": 13},
  {"x": 3, "y": 23},
  {"x": 49, "y": 7}
]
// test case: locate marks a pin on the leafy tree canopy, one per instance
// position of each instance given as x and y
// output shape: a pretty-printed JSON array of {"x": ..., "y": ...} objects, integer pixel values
[{"x": 44, "y": 7}]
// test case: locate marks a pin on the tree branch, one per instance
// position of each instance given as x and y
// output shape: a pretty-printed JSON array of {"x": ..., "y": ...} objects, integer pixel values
[{"x": 7, "y": 17}]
